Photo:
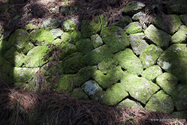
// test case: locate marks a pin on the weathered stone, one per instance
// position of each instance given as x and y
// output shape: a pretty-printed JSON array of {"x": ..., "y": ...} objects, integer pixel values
[
  {"x": 152, "y": 72},
  {"x": 129, "y": 61},
  {"x": 167, "y": 82},
  {"x": 173, "y": 60},
  {"x": 160, "y": 102},
  {"x": 97, "y": 55},
  {"x": 20, "y": 39},
  {"x": 113, "y": 95},
  {"x": 84, "y": 46},
  {"x": 179, "y": 96},
  {"x": 35, "y": 57},
  {"x": 67, "y": 49},
  {"x": 159, "y": 37},
  {"x": 137, "y": 43},
  {"x": 180, "y": 36},
  {"x": 138, "y": 87},
  {"x": 65, "y": 85},
  {"x": 122, "y": 21},
  {"x": 150, "y": 55},
  {"x": 92, "y": 89},
  {"x": 133, "y": 28},
  {"x": 56, "y": 33},
  {"x": 171, "y": 26},
  {"x": 79, "y": 94},
  {"x": 41, "y": 36},
  {"x": 133, "y": 6},
  {"x": 22, "y": 75},
  {"x": 69, "y": 25},
  {"x": 51, "y": 23},
  {"x": 107, "y": 65},
  {"x": 110, "y": 78},
  {"x": 72, "y": 66},
  {"x": 179, "y": 7},
  {"x": 115, "y": 38},
  {"x": 96, "y": 40},
  {"x": 88, "y": 29},
  {"x": 184, "y": 18},
  {"x": 129, "y": 103},
  {"x": 66, "y": 37}
]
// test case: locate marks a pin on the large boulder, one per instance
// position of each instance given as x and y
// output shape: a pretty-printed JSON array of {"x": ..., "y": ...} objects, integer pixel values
[
  {"x": 115, "y": 38},
  {"x": 173, "y": 60}
]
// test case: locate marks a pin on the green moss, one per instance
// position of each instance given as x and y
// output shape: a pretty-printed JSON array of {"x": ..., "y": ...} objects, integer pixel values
[{"x": 84, "y": 45}]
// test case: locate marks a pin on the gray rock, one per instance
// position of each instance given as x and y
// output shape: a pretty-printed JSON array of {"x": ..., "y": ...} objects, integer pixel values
[
  {"x": 159, "y": 37},
  {"x": 96, "y": 40},
  {"x": 56, "y": 33},
  {"x": 132, "y": 28}
]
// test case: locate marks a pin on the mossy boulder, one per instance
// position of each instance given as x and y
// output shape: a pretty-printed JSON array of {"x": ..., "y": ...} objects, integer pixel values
[
  {"x": 160, "y": 102},
  {"x": 75, "y": 36},
  {"x": 66, "y": 37},
  {"x": 171, "y": 26},
  {"x": 69, "y": 25},
  {"x": 41, "y": 37},
  {"x": 73, "y": 62},
  {"x": 91, "y": 28},
  {"x": 152, "y": 72},
  {"x": 133, "y": 6},
  {"x": 129, "y": 61},
  {"x": 22, "y": 75},
  {"x": 97, "y": 55},
  {"x": 132, "y": 28},
  {"x": 20, "y": 39},
  {"x": 180, "y": 36},
  {"x": 110, "y": 78},
  {"x": 179, "y": 96},
  {"x": 137, "y": 43},
  {"x": 115, "y": 38},
  {"x": 92, "y": 89},
  {"x": 67, "y": 49},
  {"x": 129, "y": 103},
  {"x": 167, "y": 82},
  {"x": 96, "y": 40},
  {"x": 56, "y": 32},
  {"x": 107, "y": 64},
  {"x": 150, "y": 55},
  {"x": 138, "y": 87},
  {"x": 79, "y": 94},
  {"x": 51, "y": 23},
  {"x": 173, "y": 60},
  {"x": 84, "y": 46},
  {"x": 37, "y": 56},
  {"x": 113, "y": 95},
  {"x": 159, "y": 37}
]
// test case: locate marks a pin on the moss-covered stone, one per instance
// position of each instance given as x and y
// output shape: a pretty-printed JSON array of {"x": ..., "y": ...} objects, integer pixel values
[
  {"x": 179, "y": 96},
  {"x": 67, "y": 49},
  {"x": 150, "y": 55},
  {"x": 92, "y": 89},
  {"x": 88, "y": 29},
  {"x": 115, "y": 38},
  {"x": 97, "y": 55},
  {"x": 73, "y": 62},
  {"x": 96, "y": 40},
  {"x": 69, "y": 25},
  {"x": 79, "y": 94},
  {"x": 113, "y": 95},
  {"x": 22, "y": 75},
  {"x": 51, "y": 23},
  {"x": 75, "y": 36},
  {"x": 56, "y": 33},
  {"x": 133, "y": 6},
  {"x": 171, "y": 26},
  {"x": 132, "y": 28},
  {"x": 152, "y": 72},
  {"x": 129, "y": 103},
  {"x": 138, "y": 87},
  {"x": 129, "y": 61},
  {"x": 31, "y": 26},
  {"x": 184, "y": 18},
  {"x": 84, "y": 46},
  {"x": 167, "y": 82},
  {"x": 107, "y": 65},
  {"x": 110, "y": 78},
  {"x": 160, "y": 102},
  {"x": 180, "y": 36},
  {"x": 20, "y": 39},
  {"x": 137, "y": 43},
  {"x": 41, "y": 36},
  {"x": 35, "y": 57},
  {"x": 66, "y": 37},
  {"x": 157, "y": 36},
  {"x": 173, "y": 60}
]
